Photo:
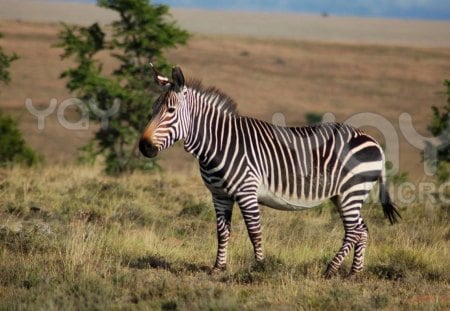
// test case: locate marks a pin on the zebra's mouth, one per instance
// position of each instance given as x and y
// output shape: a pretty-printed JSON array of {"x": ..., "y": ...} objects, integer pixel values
[{"x": 148, "y": 149}]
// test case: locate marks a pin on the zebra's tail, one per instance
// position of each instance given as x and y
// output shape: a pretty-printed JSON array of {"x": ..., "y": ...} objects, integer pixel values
[{"x": 389, "y": 208}]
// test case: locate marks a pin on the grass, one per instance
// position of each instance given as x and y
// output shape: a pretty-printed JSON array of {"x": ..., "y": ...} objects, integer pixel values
[{"x": 72, "y": 238}]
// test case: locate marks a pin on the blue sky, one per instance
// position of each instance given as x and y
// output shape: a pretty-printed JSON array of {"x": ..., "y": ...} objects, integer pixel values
[{"x": 410, "y": 9}]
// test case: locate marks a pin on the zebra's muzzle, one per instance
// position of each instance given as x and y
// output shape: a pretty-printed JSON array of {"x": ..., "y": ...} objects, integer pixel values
[{"x": 148, "y": 149}]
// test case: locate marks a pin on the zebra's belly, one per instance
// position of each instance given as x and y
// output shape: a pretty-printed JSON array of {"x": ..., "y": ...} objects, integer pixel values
[{"x": 280, "y": 202}]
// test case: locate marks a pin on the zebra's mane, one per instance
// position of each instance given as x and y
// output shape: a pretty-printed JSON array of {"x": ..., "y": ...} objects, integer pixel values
[{"x": 216, "y": 97}]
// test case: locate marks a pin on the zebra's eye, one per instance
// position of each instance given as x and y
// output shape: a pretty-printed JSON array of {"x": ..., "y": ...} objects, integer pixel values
[{"x": 171, "y": 110}]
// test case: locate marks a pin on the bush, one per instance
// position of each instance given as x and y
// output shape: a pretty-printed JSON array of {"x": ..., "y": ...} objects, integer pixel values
[
  {"x": 13, "y": 148},
  {"x": 313, "y": 118}
]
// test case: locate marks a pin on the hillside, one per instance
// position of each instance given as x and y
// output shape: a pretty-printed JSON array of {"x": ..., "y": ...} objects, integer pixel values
[{"x": 264, "y": 76}]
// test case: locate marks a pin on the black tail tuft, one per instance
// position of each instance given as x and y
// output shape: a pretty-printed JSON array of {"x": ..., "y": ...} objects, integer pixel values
[{"x": 389, "y": 209}]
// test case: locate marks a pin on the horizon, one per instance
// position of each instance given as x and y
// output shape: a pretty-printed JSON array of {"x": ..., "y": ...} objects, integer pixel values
[{"x": 398, "y": 9}]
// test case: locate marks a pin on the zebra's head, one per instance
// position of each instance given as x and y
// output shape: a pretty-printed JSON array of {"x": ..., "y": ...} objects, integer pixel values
[{"x": 167, "y": 124}]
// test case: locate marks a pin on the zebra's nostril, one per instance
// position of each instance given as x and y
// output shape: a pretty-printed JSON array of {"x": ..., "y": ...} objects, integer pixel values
[{"x": 147, "y": 149}]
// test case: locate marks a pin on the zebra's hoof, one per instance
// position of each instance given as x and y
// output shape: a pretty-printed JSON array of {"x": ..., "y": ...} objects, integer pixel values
[
  {"x": 329, "y": 274},
  {"x": 353, "y": 275},
  {"x": 218, "y": 269}
]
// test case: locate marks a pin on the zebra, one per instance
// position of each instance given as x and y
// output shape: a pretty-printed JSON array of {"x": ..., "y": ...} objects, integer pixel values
[{"x": 251, "y": 162}]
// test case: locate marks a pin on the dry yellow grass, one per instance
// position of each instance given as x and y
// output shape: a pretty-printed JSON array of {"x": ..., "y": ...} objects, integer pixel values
[{"x": 76, "y": 239}]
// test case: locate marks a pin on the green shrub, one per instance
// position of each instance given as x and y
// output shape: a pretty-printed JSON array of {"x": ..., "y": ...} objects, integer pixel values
[
  {"x": 313, "y": 118},
  {"x": 13, "y": 148}
]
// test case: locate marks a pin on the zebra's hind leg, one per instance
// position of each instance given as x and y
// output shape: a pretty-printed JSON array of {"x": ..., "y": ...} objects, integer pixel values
[
  {"x": 355, "y": 235},
  {"x": 360, "y": 249},
  {"x": 224, "y": 208}
]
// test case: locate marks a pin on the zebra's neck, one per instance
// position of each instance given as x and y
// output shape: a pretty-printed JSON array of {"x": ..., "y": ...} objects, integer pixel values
[{"x": 210, "y": 116}]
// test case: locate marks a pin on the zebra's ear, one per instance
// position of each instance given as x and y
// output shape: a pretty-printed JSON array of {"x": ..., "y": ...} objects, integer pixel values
[
  {"x": 159, "y": 77},
  {"x": 178, "y": 77}
]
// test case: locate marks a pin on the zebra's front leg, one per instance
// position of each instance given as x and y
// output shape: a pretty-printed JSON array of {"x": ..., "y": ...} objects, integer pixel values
[
  {"x": 224, "y": 208},
  {"x": 250, "y": 212}
]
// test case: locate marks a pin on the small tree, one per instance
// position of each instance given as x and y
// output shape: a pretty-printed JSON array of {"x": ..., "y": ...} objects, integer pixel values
[
  {"x": 141, "y": 35},
  {"x": 440, "y": 127}
]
